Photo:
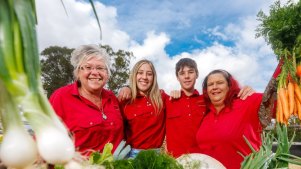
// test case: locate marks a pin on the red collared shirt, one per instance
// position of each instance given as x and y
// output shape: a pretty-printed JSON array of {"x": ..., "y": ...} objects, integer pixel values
[
  {"x": 85, "y": 121},
  {"x": 183, "y": 119},
  {"x": 221, "y": 136},
  {"x": 144, "y": 128}
]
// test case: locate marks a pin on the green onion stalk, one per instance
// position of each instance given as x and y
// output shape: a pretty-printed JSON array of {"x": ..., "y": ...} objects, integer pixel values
[
  {"x": 12, "y": 153},
  {"x": 265, "y": 158},
  {"x": 20, "y": 75}
]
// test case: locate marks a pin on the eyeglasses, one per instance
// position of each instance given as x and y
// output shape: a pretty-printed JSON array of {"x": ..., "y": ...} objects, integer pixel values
[{"x": 89, "y": 68}]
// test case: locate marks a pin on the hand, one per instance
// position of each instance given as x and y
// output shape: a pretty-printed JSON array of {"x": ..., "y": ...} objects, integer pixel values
[
  {"x": 125, "y": 93},
  {"x": 175, "y": 94},
  {"x": 245, "y": 92}
]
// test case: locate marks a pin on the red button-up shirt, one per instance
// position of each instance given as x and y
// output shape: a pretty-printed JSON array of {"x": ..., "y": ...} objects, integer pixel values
[
  {"x": 145, "y": 129},
  {"x": 221, "y": 135},
  {"x": 85, "y": 120},
  {"x": 183, "y": 119}
]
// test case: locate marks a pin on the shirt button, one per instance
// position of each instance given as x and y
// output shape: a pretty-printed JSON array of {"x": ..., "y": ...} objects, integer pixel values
[
  {"x": 189, "y": 114},
  {"x": 135, "y": 115},
  {"x": 91, "y": 123},
  {"x": 188, "y": 106},
  {"x": 151, "y": 112},
  {"x": 111, "y": 123}
]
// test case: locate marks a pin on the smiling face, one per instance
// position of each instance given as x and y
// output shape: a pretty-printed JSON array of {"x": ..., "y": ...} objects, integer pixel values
[
  {"x": 187, "y": 78},
  {"x": 144, "y": 78},
  {"x": 217, "y": 88},
  {"x": 93, "y": 75}
]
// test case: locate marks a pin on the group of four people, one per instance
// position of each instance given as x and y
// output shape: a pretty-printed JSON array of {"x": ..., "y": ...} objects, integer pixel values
[{"x": 213, "y": 123}]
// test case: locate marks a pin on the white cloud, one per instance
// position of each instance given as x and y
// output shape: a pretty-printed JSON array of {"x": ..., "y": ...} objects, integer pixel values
[
  {"x": 250, "y": 60},
  {"x": 79, "y": 27},
  {"x": 152, "y": 46}
]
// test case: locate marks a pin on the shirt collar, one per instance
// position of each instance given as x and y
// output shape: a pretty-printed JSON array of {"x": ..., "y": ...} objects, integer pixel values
[
  {"x": 75, "y": 91},
  {"x": 194, "y": 94},
  {"x": 224, "y": 110}
]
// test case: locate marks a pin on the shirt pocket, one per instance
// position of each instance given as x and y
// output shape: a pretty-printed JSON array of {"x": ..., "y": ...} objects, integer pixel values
[
  {"x": 86, "y": 132},
  {"x": 198, "y": 109},
  {"x": 91, "y": 123},
  {"x": 140, "y": 114},
  {"x": 173, "y": 114}
]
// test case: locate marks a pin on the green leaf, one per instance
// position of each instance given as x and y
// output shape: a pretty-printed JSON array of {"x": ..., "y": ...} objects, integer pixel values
[
  {"x": 282, "y": 26},
  {"x": 94, "y": 157}
]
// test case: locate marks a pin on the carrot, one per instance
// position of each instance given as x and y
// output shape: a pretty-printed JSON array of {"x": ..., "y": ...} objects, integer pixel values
[
  {"x": 295, "y": 106},
  {"x": 279, "y": 113},
  {"x": 297, "y": 91},
  {"x": 298, "y": 105},
  {"x": 284, "y": 102},
  {"x": 291, "y": 98},
  {"x": 298, "y": 70}
]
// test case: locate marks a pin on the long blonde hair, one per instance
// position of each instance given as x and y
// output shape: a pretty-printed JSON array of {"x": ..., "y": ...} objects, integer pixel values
[{"x": 154, "y": 91}]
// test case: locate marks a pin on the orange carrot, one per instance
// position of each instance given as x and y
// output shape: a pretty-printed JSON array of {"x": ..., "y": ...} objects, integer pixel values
[
  {"x": 291, "y": 97},
  {"x": 295, "y": 106},
  {"x": 284, "y": 102},
  {"x": 298, "y": 105},
  {"x": 297, "y": 91},
  {"x": 279, "y": 113}
]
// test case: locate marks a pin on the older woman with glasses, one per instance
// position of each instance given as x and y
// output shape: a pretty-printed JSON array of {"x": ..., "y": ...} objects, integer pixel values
[{"x": 90, "y": 112}]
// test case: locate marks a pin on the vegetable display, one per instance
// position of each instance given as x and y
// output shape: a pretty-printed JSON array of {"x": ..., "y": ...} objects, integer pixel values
[{"x": 282, "y": 30}]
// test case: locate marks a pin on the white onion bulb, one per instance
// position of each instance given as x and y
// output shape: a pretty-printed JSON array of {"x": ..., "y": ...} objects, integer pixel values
[
  {"x": 18, "y": 149},
  {"x": 55, "y": 146}
]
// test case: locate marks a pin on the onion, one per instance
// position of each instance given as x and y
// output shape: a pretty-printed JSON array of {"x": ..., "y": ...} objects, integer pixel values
[
  {"x": 18, "y": 148},
  {"x": 54, "y": 145}
]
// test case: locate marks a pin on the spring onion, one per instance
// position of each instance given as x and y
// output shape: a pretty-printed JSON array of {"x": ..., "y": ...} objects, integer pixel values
[
  {"x": 13, "y": 153},
  {"x": 20, "y": 75}
]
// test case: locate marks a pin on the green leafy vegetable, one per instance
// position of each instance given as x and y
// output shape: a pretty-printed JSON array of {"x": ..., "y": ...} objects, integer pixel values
[{"x": 282, "y": 27}]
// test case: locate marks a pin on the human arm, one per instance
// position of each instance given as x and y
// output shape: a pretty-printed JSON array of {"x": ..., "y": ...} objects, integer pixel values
[
  {"x": 124, "y": 93},
  {"x": 245, "y": 92},
  {"x": 267, "y": 106},
  {"x": 175, "y": 94}
]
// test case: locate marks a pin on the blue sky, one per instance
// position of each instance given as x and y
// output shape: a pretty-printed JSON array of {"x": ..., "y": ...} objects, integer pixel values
[
  {"x": 217, "y": 34},
  {"x": 185, "y": 21}
]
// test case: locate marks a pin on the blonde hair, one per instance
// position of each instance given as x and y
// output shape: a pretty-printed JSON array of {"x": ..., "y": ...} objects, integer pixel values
[
  {"x": 86, "y": 52},
  {"x": 154, "y": 92}
]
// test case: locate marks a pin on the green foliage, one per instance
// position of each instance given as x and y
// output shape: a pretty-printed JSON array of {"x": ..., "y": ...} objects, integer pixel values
[
  {"x": 282, "y": 27},
  {"x": 123, "y": 164},
  {"x": 120, "y": 71},
  {"x": 260, "y": 159},
  {"x": 105, "y": 156},
  {"x": 148, "y": 159},
  {"x": 264, "y": 158},
  {"x": 293, "y": 130},
  {"x": 57, "y": 70},
  {"x": 151, "y": 159},
  {"x": 59, "y": 167}
]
